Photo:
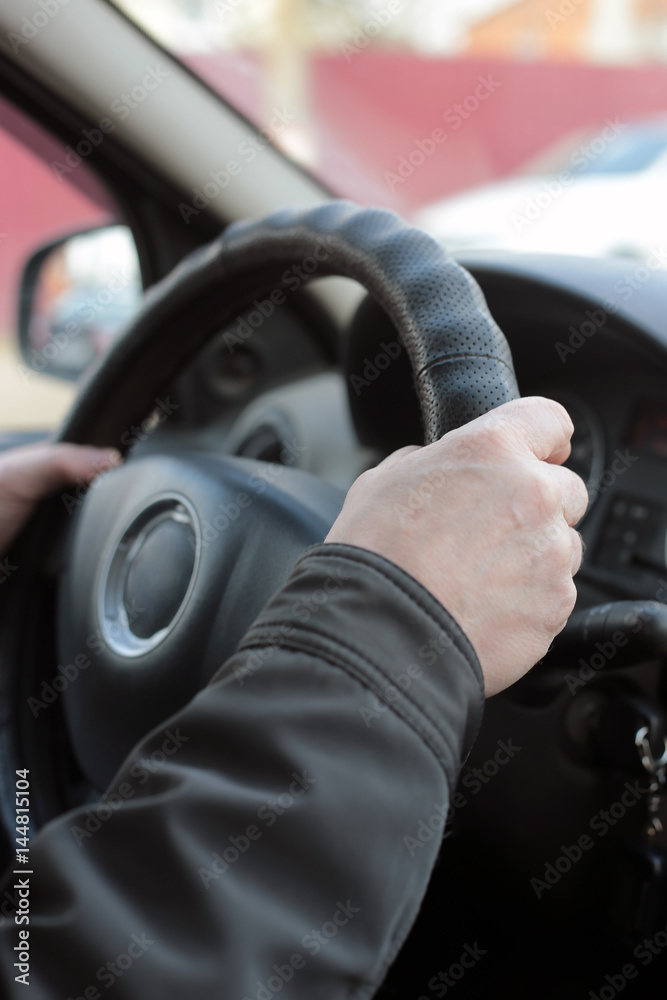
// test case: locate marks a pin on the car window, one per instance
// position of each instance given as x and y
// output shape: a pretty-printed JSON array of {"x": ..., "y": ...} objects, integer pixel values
[
  {"x": 445, "y": 109},
  {"x": 46, "y": 191}
]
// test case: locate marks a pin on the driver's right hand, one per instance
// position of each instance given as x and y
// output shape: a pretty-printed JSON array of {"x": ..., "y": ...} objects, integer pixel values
[{"x": 483, "y": 518}]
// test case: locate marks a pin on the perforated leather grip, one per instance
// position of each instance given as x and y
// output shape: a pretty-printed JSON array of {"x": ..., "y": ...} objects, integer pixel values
[{"x": 461, "y": 360}]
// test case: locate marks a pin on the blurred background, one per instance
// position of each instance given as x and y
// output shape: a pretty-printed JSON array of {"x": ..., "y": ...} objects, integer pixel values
[
  {"x": 524, "y": 125},
  {"x": 367, "y": 79}
]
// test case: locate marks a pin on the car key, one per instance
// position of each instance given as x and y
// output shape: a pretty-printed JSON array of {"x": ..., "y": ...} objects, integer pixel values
[
  {"x": 638, "y": 905},
  {"x": 657, "y": 769}
]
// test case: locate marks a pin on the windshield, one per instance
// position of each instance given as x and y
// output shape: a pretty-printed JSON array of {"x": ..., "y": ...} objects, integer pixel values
[{"x": 454, "y": 113}]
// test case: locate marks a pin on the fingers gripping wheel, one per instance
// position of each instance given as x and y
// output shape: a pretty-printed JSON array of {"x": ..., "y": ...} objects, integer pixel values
[{"x": 460, "y": 358}]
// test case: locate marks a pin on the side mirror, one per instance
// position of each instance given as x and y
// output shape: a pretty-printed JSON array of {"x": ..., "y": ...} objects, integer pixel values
[{"x": 77, "y": 294}]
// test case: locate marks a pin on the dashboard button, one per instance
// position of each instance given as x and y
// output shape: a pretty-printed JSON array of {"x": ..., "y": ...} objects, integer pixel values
[{"x": 632, "y": 538}]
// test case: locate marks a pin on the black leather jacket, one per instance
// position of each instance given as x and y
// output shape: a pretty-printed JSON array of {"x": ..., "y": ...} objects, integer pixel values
[{"x": 278, "y": 834}]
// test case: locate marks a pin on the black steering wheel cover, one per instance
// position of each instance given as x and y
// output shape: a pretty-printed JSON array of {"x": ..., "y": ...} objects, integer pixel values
[{"x": 460, "y": 358}]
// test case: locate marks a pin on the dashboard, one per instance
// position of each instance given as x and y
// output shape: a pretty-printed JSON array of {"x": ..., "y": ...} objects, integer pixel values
[{"x": 620, "y": 449}]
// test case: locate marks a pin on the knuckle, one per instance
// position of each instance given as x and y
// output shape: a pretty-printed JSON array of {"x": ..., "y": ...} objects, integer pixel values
[
  {"x": 576, "y": 485},
  {"x": 363, "y": 480},
  {"x": 569, "y": 600},
  {"x": 363, "y": 484},
  {"x": 582, "y": 495},
  {"x": 557, "y": 556},
  {"x": 490, "y": 436},
  {"x": 552, "y": 406},
  {"x": 561, "y": 606},
  {"x": 544, "y": 495}
]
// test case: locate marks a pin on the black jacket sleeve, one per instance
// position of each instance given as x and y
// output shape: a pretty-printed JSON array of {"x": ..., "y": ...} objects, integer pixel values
[{"x": 273, "y": 837}]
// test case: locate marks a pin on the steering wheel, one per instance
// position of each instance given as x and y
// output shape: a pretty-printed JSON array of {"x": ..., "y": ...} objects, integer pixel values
[{"x": 145, "y": 590}]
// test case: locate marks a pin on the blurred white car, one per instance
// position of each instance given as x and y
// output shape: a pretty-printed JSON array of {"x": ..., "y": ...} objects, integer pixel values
[{"x": 606, "y": 196}]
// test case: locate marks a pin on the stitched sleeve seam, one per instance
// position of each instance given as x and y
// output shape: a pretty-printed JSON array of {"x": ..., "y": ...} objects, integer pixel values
[
  {"x": 354, "y": 651},
  {"x": 410, "y": 711},
  {"x": 415, "y": 600}
]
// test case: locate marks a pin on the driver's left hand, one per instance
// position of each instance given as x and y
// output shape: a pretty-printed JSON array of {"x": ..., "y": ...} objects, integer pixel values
[{"x": 31, "y": 472}]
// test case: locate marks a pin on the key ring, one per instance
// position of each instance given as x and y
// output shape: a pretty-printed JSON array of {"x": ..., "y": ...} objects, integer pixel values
[{"x": 656, "y": 768}]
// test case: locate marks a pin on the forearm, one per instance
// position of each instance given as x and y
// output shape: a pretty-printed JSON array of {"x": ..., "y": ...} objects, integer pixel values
[{"x": 272, "y": 836}]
